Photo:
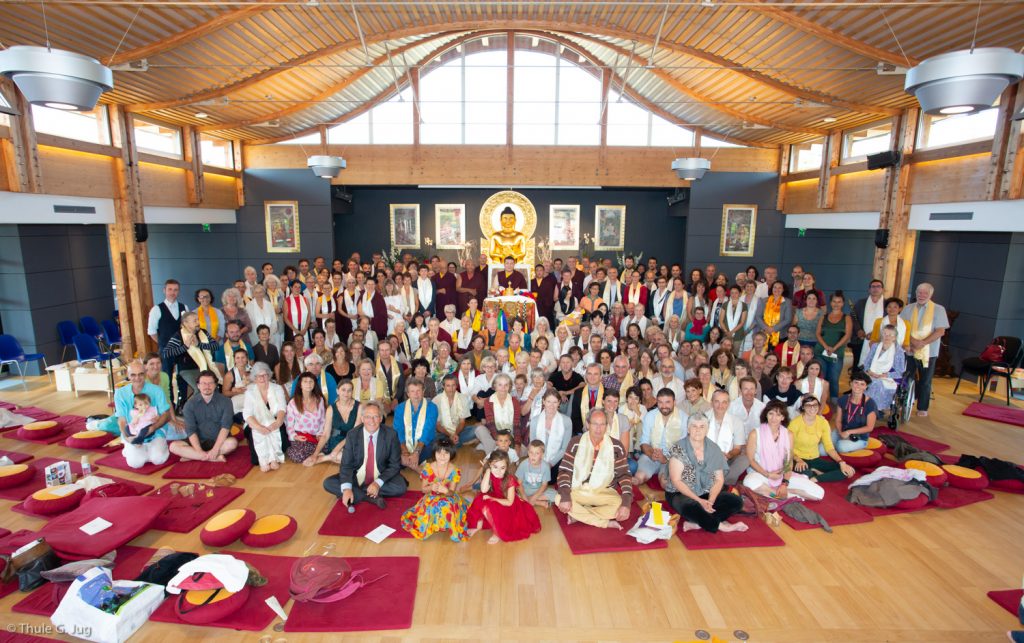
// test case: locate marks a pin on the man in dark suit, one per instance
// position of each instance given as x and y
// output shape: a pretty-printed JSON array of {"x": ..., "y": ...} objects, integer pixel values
[
  {"x": 587, "y": 398},
  {"x": 366, "y": 474}
]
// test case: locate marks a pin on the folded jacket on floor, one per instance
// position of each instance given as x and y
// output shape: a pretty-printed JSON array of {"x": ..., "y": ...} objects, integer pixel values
[
  {"x": 803, "y": 513},
  {"x": 888, "y": 492}
]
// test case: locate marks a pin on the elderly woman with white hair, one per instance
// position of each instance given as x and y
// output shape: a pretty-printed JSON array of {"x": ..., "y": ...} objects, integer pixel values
[
  {"x": 885, "y": 363},
  {"x": 264, "y": 413},
  {"x": 275, "y": 295},
  {"x": 696, "y": 479},
  {"x": 261, "y": 312},
  {"x": 233, "y": 309},
  {"x": 250, "y": 282},
  {"x": 502, "y": 412},
  {"x": 315, "y": 365}
]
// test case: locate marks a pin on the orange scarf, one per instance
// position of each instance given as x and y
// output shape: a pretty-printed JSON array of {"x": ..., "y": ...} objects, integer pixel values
[{"x": 772, "y": 313}]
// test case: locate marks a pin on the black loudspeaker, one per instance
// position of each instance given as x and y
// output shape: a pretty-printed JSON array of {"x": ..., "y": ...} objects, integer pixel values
[
  {"x": 141, "y": 232},
  {"x": 882, "y": 238},
  {"x": 883, "y": 160}
]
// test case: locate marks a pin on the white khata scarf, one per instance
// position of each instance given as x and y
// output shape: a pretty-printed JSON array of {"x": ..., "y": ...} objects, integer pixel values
[
  {"x": 504, "y": 413},
  {"x": 666, "y": 431},
  {"x": 589, "y": 473},
  {"x": 413, "y": 436}
]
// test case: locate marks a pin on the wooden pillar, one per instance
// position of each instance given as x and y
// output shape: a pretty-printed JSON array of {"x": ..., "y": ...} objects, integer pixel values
[
  {"x": 784, "y": 152},
  {"x": 1006, "y": 169},
  {"x": 830, "y": 161},
  {"x": 20, "y": 153},
  {"x": 606, "y": 83},
  {"x": 236, "y": 150},
  {"x": 130, "y": 259},
  {"x": 510, "y": 92},
  {"x": 192, "y": 153},
  {"x": 892, "y": 265},
  {"x": 414, "y": 82}
]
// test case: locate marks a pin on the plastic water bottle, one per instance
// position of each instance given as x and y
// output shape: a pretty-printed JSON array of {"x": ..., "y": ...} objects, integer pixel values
[{"x": 86, "y": 467}]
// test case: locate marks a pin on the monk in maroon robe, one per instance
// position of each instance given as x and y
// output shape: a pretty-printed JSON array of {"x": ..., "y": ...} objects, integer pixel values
[{"x": 510, "y": 277}]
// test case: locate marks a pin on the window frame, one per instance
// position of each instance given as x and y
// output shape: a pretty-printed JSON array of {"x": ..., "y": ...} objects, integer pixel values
[
  {"x": 180, "y": 155},
  {"x": 924, "y": 125},
  {"x": 102, "y": 122},
  {"x": 845, "y": 158},
  {"x": 794, "y": 155}
]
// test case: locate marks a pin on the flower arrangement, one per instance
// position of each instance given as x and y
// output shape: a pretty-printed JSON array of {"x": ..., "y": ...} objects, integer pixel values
[{"x": 391, "y": 257}]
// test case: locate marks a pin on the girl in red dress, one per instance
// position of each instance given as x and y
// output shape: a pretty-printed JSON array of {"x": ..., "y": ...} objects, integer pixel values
[{"x": 499, "y": 506}]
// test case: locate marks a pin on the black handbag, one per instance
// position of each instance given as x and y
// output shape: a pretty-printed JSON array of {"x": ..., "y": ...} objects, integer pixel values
[
  {"x": 162, "y": 571},
  {"x": 29, "y": 565}
]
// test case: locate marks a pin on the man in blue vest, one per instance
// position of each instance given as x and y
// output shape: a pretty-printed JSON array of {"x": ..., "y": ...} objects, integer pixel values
[{"x": 165, "y": 320}]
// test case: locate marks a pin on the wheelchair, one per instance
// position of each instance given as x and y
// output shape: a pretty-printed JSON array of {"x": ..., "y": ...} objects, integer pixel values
[{"x": 902, "y": 403}]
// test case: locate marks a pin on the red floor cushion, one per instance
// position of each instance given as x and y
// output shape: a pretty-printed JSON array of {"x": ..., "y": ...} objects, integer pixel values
[
  {"x": 89, "y": 439},
  {"x": 964, "y": 478},
  {"x": 914, "y": 503},
  {"x": 129, "y": 517},
  {"x": 874, "y": 444},
  {"x": 54, "y": 500},
  {"x": 270, "y": 530},
  {"x": 15, "y": 474},
  {"x": 934, "y": 474},
  {"x": 1014, "y": 486},
  {"x": 191, "y": 606},
  {"x": 39, "y": 430},
  {"x": 227, "y": 527},
  {"x": 862, "y": 458}
]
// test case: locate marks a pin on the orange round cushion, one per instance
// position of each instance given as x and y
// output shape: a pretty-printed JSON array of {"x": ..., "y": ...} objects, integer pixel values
[
  {"x": 189, "y": 605},
  {"x": 227, "y": 527},
  {"x": 964, "y": 478},
  {"x": 13, "y": 475},
  {"x": 39, "y": 430},
  {"x": 874, "y": 444},
  {"x": 270, "y": 530},
  {"x": 914, "y": 503},
  {"x": 52, "y": 500},
  {"x": 934, "y": 474},
  {"x": 89, "y": 439},
  {"x": 862, "y": 458}
]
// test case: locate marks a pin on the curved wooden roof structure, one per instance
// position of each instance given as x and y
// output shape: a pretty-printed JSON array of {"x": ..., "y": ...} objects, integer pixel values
[{"x": 754, "y": 71}]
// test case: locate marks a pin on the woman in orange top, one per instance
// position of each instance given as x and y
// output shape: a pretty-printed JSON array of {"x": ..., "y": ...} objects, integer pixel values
[{"x": 590, "y": 301}]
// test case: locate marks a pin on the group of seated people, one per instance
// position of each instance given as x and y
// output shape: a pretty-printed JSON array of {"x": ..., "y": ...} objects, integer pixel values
[{"x": 698, "y": 384}]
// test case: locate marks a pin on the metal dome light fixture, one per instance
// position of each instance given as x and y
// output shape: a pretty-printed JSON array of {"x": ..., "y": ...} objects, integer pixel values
[
  {"x": 961, "y": 82},
  {"x": 691, "y": 169},
  {"x": 56, "y": 78},
  {"x": 326, "y": 167}
]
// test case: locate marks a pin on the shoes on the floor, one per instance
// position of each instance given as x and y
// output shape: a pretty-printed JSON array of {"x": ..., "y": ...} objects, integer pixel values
[{"x": 378, "y": 502}]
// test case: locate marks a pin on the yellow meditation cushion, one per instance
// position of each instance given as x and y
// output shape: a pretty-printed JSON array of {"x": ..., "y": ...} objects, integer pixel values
[
  {"x": 874, "y": 444},
  {"x": 934, "y": 474},
  {"x": 270, "y": 530},
  {"x": 84, "y": 435},
  {"x": 200, "y": 596},
  {"x": 54, "y": 500},
  {"x": 13, "y": 475},
  {"x": 201, "y": 606},
  {"x": 89, "y": 439},
  {"x": 964, "y": 478},
  {"x": 39, "y": 430},
  {"x": 227, "y": 527},
  {"x": 862, "y": 458}
]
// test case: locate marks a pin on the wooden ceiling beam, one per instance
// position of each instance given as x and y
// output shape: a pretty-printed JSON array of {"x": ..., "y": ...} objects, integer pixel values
[{"x": 519, "y": 26}]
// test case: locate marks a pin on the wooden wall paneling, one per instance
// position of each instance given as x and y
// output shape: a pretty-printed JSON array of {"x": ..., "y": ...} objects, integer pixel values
[
  {"x": 949, "y": 180},
  {"x": 1012, "y": 171},
  {"x": 193, "y": 156},
  {"x": 162, "y": 185},
  {"x": 220, "y": 192},
  {"x": 130, "y": 259},
  {"x": 75, "y": 173},
  {"x": 827, "y": 180}
]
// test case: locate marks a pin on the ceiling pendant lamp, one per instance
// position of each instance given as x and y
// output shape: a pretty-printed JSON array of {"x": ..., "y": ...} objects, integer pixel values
[
  {"x": 326, "y": 167},
  {"x": 960, "y": 82},
  {"x": 56, "y": 78},
  {"x": 691, "y": 169}
]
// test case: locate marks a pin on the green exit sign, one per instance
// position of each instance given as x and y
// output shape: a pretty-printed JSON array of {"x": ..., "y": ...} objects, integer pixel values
[
  {"x": 801, "y": 232},
  {"x": 206, "y": 228}
]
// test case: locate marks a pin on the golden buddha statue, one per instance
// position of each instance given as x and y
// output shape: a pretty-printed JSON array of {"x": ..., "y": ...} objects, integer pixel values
[{"x": 507, "y": 242}]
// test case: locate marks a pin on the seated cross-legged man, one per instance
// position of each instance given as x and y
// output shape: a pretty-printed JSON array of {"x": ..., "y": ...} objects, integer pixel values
[
  {"x": 594, "y": 464},
  {"x": 371, "y": 462},
  {"x": 151, "y": 446},
  {"x": 416, "y": 424},
  {"x": 662, "y": 427},
  {"x": 208, "y": 418}
]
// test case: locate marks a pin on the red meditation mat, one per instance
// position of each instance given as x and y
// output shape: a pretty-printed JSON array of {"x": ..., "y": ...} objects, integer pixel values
[
  {"x": 1004, "y": 414},
  {"x": 952, "y": 497},
  {"x": 16, "y": 456},
  {"x": 140, "y": 488},
  {"x": 1008, "y": 599},
  {"x": 654, "y": 484},
  {"x": 587, "y": 539},
  {"x": 920, "y": 442},
  {"x": 890, "y": 511},
  {"x": 130, "y": 516},
  {"x": 116, "y": 461},
  {"x": 36, "y": 413},
  {"x": 38, "y": 480},
  {"x": 238, "y": 464},
  {"x": 834, "y": 509},
  {"x": 386, "y": 604},
  {"x": 183, "y": 515},
  {"x": 254, "y": 615},
  {"x": 367, "y": 517},
  {"x": 64, "y": 433},
  {"x": 759, "y": 534},
  {"x": 4, "y": 532},
  {"x": 10, "y": 406},
  {"x": 127, "y": 565},
  {"x": 8, "y": 637}
]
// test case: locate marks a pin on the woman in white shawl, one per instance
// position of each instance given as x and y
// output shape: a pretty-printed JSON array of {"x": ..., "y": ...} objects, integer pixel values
[
  {"x": 885, "y": 363},
  {"x": 552, "y": 428},
  {"x": 264, "y": 414},
  {"x": 261, "y": 311}
]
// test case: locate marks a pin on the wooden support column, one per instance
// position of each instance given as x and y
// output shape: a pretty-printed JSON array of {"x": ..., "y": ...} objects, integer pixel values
[
  {"x": 236, "y": 150},
  {"x": 20, "y": 152},
  {"x": 892, "y": 265},
  {"x": 130, "y": 259},
  {"x": 195, "y": 186},
  {"x": 414, "y": 81},
  {"x": 784, "y": 152},
  {"x": 827, "y": 178},
  {"x": 1006, "y": 169},
  {"x": 510, "y": 91}
]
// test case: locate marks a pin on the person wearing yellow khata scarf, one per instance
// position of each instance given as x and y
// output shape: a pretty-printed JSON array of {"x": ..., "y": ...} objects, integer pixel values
[{"x": 926, "y": 324}]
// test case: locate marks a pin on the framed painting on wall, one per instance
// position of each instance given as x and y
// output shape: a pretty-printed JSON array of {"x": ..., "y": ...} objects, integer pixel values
[
  {"x": 450, "y": 225},
  {"x": 564, "y": 227},
  {"x": 405, "y": 226},
  {"x": 282, "y": 225},
  {"x": 739, "y": 223},
  {"x": 609, "y": 227}
]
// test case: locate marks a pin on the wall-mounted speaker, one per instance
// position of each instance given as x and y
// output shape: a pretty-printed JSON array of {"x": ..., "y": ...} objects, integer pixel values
[
  {"x": 141, "y": 232},
  {"x": 882, "y": 238},
  {"x": 883, "y": 160}
]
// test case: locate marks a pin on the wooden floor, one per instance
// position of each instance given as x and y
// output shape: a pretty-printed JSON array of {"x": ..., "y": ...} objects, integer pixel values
[{"x": 918, "y": 577}]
